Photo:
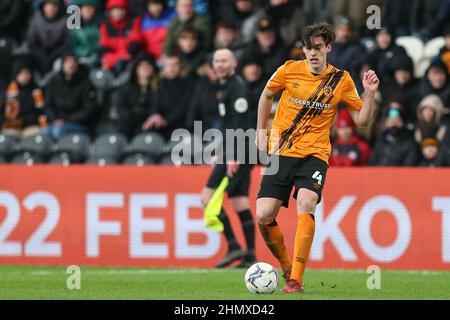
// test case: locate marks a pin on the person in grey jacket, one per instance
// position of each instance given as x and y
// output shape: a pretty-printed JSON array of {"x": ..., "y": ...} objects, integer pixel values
[{"x": 47, "y": 33}]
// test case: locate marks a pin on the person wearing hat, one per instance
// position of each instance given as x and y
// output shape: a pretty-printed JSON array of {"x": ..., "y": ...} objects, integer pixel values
[
  {"x": 85, "y": 40},
  {"x": 70, "y": 99},
  {"x": 402, "y": 81},
  {"x": 385, "y": 51},
  {"x": 395, "y": 145},
  {"x": 267, "y": 46},
  {"x": 287, "y": 17},
  {"x": 155, "y": 24},
  {"x": 349, "y": 150},
  {"x": 22, "y": 107},
  {"x": 432, "y": 153},
  {"x": 47, "y": 34},
  {"x": 437, "y": 81},
  {"x": 133, "y": 101},
  {"x": 345, "y": 51},
  {"x": 429, "y": 118},
  {"x": 120, "y": 36}
]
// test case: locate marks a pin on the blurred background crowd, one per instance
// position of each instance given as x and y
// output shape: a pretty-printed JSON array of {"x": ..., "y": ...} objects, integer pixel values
[{"x": 135, "y": 70}]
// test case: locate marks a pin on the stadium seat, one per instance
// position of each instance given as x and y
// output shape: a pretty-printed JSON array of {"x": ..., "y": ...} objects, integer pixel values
[
  {"x": 414, "y": 47},
  {"x": 150, "y": 144},
  {"x": 6, "y": 145},
  {"x": 27, "y": 158},
  {"x": 75, "y": 146},
  {"x": 109, "y": 146},
  {"x": 167, "y": 161},
  {"x": 421, "y": 67},
  {"x": 433, "y": 46},
  {"x": 101, "y": 79},
  {"x": 61, "y": 158},
  {"x": 38, "y": 145},
  {"x": 101, "y": 161},
  {"x": 138, "y": 159},
  {"x": 3, "y": 160},
  {"x": 192, "y": 144}
]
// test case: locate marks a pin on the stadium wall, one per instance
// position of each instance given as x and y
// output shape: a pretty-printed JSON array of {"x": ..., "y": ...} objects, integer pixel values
[{"x": 396, "y": 218}]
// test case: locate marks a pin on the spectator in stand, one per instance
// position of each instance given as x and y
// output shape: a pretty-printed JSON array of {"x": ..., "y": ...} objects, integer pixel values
[
  {"x": 190, "y": 52},
  {"x": 135, "y": 99},
  {"x": 318, "y": 10},
  {"x": 252, "y": 72},
  {"x": 429, "y": 119},
  {"x": 227, "y": 36},
  {"x": 120, "y": 36},
  {"x": 437, "y": 81},
  {"x": 70, "y": 99},
  {"x": 268, "y": 47},
  {"x": 287, "y": 17},
  {"x": 395, "y": 146},
  {"x": 13, "y": 16},
  {"x": 47, "y": 34},
  {"x": 154, "y": 26},
  {"x": 171, "y": 100},
  {"x": 345, "y": 51},
  {"x": 349, "y": 150},
  {"x": 402, "y": 82},
  {"x": 356, "y": 11},
  {"x": 22, "y": 110},
  {"x": 85, "y": 41},
  {"x": 423, "y": 17},
  {"x": 397, "y": 17},
  {"x": 203, "y": 104},
  {"x": 433, "y": 154},
  {"x": 240, "y": 13},
  {"x": 385, "y": 51},
  {"x": 444, "y": 53},
  {"x": 186, "y": 17}
]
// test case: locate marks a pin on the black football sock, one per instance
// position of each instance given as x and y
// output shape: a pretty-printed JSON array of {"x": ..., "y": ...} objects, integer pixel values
[
  {"x": 227, "y": 231},
  {"x": 248, "y": 227}
]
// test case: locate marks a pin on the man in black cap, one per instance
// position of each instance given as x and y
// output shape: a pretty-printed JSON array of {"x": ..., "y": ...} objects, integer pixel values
[{"x": 267, "y": 46}]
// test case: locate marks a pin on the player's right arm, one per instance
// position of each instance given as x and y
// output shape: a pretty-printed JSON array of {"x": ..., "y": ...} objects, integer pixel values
[
  {"x": 264, "y": 109},
  {"x": 274, "y": 85}
]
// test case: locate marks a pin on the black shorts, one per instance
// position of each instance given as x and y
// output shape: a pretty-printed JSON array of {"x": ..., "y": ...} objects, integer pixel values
[
  {"x": 308, "y": 173},
  {"x": 239, "y": 184}
]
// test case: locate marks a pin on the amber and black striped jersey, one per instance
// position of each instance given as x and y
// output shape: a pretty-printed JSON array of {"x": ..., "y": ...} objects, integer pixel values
[{"x": 307, "y": 108}]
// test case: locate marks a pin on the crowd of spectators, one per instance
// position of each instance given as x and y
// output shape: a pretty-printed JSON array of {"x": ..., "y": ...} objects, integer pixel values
[{"x": 134, "y": 66}]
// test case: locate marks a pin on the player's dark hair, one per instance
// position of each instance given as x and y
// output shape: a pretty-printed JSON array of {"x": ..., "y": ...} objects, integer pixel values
[{"x": 321, "y": 29}]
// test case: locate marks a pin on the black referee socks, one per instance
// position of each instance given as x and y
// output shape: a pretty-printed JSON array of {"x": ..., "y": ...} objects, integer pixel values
[
  {"x": 227, "y": 231},
  {"x": 248, "y": 227}
]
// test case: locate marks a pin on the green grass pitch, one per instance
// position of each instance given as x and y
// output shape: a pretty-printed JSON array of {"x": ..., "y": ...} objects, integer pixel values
[{"x": 36, "y": 282}]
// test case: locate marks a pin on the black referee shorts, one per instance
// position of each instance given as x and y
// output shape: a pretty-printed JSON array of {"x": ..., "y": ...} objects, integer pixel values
[
  {"x": 308, "y": 173},
  {"x": 239, "y": 184}
]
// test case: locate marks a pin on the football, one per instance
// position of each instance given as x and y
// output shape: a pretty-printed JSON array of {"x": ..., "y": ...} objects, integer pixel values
[{"x": 261, "y": 278}]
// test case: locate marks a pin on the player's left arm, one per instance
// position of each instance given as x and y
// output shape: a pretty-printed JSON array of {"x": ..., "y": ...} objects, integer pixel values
[{"x": 364, "y": 116}]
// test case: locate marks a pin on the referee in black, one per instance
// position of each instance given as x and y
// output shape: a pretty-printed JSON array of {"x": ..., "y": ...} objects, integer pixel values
[{"x": 233, "y": 105}]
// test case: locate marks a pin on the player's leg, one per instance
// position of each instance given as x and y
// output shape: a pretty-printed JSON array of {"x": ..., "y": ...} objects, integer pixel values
[
  {"x": 309, "y": 186},
  {"x": 241, "y": 205},
  {"x": 237, "y": 191},
  {"x": 234, "y": 249},
  {"x": 274, "y": 192},
  {"x": 266, "y": 211}
]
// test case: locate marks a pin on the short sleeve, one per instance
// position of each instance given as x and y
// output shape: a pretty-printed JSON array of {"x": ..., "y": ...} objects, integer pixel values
[
  {"x": 276, "y": 82},
  {"x": 350, "y": 95}
]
